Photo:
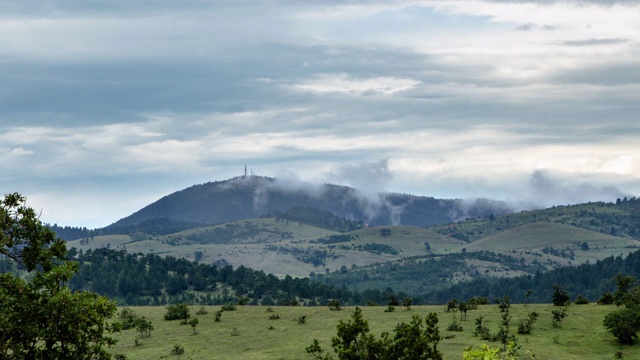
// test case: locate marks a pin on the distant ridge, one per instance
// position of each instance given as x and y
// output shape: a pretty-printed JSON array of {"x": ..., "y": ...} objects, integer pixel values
[{"x": 248, "y": 197}]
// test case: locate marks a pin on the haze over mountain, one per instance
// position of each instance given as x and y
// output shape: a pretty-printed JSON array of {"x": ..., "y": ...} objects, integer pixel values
[{"x": 247, "y": 197}]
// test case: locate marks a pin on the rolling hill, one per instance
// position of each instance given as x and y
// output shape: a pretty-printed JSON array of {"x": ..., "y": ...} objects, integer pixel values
[{"x": 327, "y": 232}]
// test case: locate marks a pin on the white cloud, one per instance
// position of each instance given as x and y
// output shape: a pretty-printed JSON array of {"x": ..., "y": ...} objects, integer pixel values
[
  {"x": 459, "y": 98},
  {"x": 20, "y": 152},
  {"x": 343, "y": 83}
]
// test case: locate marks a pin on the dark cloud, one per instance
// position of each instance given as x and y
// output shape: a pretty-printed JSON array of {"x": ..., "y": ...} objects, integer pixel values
[
  {"x": 594, "y": 42},
  {"x": 610, "y": 74}
]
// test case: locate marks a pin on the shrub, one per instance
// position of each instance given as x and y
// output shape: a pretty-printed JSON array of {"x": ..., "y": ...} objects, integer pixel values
[
  {"x": 177, "y": 350},
  {"x": 581, "y": 300},
  {"x": 127, "y": 318},
  {"x": 606, "y": 299},
  {"x": 415, "y": 340},
  {"x": 229, "y": 307},
  {"x": 334, "y": 305},
  {"x": 202, "y": 311},
  {"x": 455, "y": 325},
  {"x": 525, "y": 327},
  {"x": 177, "y": 312}
]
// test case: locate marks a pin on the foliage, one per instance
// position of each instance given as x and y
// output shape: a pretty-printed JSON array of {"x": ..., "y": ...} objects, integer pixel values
[
  {"x": 558, "y": 316},
  {"x": 193, "y": 322},
  {"x": 619, "y": 219},
  {"x": 415, "y": 340},
  {"x": 406, "y": 302},
  {"x": 334, "y": 305},
  {"x": 481, "y": 330},
  {"x": 40, "y": 317},
  {"x": 455, "y": 325},
  {"x": 606, "y": 299},
  {"x": 560, "y": 296},
  {"x": 177, "y": 312},
  {"x": 625, "y": 323},
  {"x": 228, "y": 307},
  {"x": 127, "y": 318},
  {"x": 320, "y": 218},
  {"x": 177, "y": 350},
  {"x": 202, "y": 311},
  {"x": 486, "y": 353},
  {"x": 580, "y": 300},
  {"x": 143, "y": 326},
  {"x": 452, "y": 304},
  {"x": 526, "y": 326}
]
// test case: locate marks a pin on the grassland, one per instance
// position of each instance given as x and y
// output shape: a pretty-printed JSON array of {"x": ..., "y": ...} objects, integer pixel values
[
  {"x": 254, "y": 252},
  {"x": 246, "y": 333}
]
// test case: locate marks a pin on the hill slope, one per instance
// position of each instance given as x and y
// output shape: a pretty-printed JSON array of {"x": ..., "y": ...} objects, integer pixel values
[{"x": 251, "y": 197}]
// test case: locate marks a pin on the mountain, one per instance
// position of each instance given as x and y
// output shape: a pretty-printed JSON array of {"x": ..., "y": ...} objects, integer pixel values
[{"x": 249, "y": 197}]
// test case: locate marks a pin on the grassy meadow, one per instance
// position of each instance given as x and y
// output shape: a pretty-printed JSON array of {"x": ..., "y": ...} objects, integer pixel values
[{"x": 249, "y": 333}]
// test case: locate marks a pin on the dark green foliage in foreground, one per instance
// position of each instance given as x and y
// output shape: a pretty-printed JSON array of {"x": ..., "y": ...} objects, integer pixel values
[
  {"x": 415, "y": 340},
  {"x": 41, "y": 318},
  {"x": 625, "y": 323}
]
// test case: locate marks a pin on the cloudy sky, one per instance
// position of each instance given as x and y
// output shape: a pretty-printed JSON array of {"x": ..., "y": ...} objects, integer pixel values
[{"x": 105, "y": 106}]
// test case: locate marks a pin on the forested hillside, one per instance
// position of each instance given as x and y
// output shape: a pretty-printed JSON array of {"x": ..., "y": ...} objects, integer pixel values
[
  {"x": 621, "y": 219},
  {"x": 249, "y": 197}
]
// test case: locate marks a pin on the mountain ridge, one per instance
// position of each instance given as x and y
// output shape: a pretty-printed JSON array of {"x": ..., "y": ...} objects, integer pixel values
[{"x": 248, "y": 197}]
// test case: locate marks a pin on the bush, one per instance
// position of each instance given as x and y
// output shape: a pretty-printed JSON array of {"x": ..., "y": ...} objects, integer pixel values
[
  {"x": 525, "y": 327},
  {"x": 177, "y": 312},
  {"x": 334, "y": 305},
  {"x": 228, "y": 307},
  {"x": 177, "y": 350},
  {"x": 202, "y": 311},
  {"x": 455, "y": 325},
  {"x": 606, "y": 299},
  {"x": 581, "y": 300},
  {"x": 415, "y": 340},
  {"x": 127, "y": 318}
]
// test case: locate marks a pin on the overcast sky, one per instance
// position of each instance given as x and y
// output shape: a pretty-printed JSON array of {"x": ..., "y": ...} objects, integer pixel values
[{"x": 106, "y": 106}]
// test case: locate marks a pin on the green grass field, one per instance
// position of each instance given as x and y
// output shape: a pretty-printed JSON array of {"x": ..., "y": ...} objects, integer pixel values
[{"x": 246, "y": 334}]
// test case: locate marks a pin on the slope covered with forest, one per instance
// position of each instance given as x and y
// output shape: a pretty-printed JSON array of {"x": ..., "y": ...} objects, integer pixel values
[{"x": 250, "y": 197}]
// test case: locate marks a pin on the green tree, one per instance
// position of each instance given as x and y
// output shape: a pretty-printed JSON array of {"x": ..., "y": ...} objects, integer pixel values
[
  {"x": 463, "y": 307},
  {"x": 177, "y": 312},
  {"x": 625, "y": 323},
  {"x": 560, "y": 296},
  {"x": 41, "y": 318},
  {"x": 406, "y": 302},
  {"x": 193, "y": 322},
  {"x": 624, "y": 285},
  {"x": 143, "y": 326},
  {"x": 416, "y": 340}
]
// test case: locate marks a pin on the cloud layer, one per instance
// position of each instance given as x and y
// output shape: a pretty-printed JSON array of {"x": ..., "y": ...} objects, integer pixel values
[{"x": 109, "y": 105}]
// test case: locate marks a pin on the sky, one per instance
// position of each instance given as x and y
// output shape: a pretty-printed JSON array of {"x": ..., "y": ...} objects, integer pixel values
[{"x": 106, "y": 106}]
